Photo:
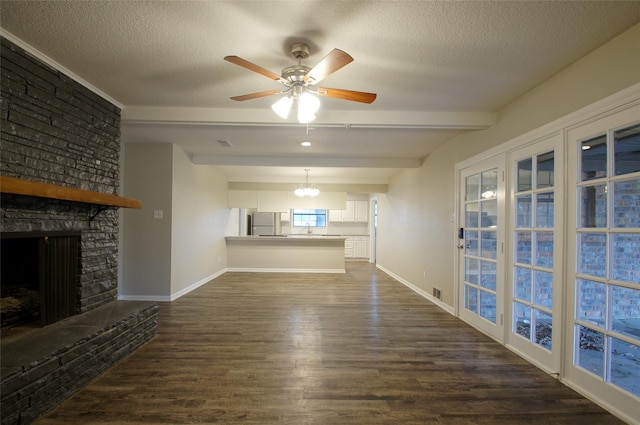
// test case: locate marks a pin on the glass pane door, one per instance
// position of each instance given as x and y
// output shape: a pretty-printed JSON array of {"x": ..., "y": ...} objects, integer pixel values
[
  {"x": 535, "y": 284},
  {"x": 480, "y": 278},
  {"x": 607, "y": 319},
  {"x": 603, "y": 267}
]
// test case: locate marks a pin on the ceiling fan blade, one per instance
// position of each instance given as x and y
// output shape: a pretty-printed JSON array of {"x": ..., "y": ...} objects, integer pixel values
[
  {"x": 327, "y": 66},
  {"x": 256, "y": 95},
  {"x": 356, "y": 96},
  {"x": 252, "y": 67}
]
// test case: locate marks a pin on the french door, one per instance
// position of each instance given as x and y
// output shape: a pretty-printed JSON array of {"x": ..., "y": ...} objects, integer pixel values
[
  {"x": 604, "y": 260},
  {"x": 534, "y": 266},
  {"x": 481, "y": 246}
]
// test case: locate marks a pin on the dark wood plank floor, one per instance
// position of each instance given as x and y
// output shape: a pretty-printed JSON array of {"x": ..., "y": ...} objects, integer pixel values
[{"x": 358, "y": 348}]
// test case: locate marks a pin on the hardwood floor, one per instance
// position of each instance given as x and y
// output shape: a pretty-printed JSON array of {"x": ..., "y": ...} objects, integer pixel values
[{"x": 358, "y": 348}]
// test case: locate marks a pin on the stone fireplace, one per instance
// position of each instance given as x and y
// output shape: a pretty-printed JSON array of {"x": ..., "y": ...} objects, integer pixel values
[
  {"x": 59, "y": 251},
  {"x": 39, "y": 278}
]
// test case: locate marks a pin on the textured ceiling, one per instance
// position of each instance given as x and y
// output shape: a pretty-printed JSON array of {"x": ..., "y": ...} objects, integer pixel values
[{"x": 438, "y": 68}]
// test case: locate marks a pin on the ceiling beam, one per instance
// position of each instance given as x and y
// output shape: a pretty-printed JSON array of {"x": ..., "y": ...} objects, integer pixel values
[
  {"x": 327, "y": 118},
  {"x": 301, "y": 162}
]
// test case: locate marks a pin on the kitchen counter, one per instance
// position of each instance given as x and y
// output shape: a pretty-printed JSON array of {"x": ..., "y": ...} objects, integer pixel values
[{"x": 291, "y": 253}]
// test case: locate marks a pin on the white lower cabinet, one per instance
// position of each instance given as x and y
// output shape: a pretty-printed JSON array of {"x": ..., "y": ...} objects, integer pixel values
[
  {"x": 348, "y": 248},
  {"x": 356, "y": 247}
]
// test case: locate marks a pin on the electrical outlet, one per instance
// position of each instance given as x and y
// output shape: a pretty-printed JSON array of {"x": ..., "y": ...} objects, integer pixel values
[{"x": 424, "y": 274}]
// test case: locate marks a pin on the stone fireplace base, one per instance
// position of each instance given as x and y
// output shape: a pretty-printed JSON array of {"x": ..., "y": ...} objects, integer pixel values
[{"x": 44, "y": 366}]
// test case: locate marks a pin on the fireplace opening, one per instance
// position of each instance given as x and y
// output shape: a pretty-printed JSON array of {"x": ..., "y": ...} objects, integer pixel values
[{"x": 39, "y": 278}]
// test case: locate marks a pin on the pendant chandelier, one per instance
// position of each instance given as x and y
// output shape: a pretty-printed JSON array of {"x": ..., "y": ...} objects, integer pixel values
[{"x": 305, "y": 189}]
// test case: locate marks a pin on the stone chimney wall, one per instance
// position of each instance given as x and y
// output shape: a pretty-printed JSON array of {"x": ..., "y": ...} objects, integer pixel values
[{"x": 56, "y": 131}]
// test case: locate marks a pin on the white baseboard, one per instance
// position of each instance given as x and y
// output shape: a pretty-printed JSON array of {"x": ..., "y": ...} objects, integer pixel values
[
  {"x": 174, "y": 296},
  {"x": 418, "y": 291},
  {"x": 275, "y": 270}
]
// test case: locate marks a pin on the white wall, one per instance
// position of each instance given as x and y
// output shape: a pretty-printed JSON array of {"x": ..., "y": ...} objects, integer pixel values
[
  {"x": 146, "y": 245},
  {"x": 199, "y": 222},
  {"x": 166, "y": 257},
  {"x": 416, "y": 230}
]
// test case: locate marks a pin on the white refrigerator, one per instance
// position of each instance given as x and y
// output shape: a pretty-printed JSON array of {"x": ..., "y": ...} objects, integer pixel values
[{"x": 263, "y": 223}]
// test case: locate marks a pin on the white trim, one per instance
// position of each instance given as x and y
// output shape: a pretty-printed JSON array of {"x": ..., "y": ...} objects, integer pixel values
[
  {"x": 417, "y": 290},
  {"x": 52, "y": 63},
  {"x": 196, "y": 285},
  {"x": 282, "y": 270},
  {"x": 600, "y": 402},
  {"x": 156, "y": 298},
  {"x": 175, "y": 296}
]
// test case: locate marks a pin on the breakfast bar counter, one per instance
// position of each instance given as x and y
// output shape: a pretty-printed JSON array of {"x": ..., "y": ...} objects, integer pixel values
[{"x": 292, "y": 253}]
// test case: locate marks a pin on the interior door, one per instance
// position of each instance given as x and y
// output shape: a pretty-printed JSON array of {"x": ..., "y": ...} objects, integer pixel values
[
  {"x": 481, "y": 246},
  {"x": 534, "y": 267}
]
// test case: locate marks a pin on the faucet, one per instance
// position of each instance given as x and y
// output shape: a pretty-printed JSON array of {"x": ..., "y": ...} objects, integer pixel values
[{"x": 308, "y": 229}]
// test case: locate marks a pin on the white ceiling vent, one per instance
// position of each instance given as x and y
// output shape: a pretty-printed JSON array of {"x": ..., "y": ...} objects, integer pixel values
[{"x": 224, "y": 143}]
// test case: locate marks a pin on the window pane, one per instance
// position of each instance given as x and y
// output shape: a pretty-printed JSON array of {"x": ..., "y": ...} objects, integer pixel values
[
  {"x": 544, "y": 249},
  {"x": 522, "y": 320},
  {"x": 545, "y": 175},
  {"x": 472, "y": 188},
  {"x": 593, "y": 206},
  {"x": 625, "y": 365},
  {"x": 471, "y": 298},
  {"x": 626, "y": 204},
  {"x": 523, "y": 208},
  {"x": 488, "y": 306},
  {"x": 543, "y": 289},
  {"x": 625, "y": 261},
  {"x": 471, "y": 215},
  {"x": 524, "y": 175},
  {"x": 488, "y": 275},
  {"x": 489, "y": 213},
  {"x": 544, "y": 210},
  {"x": 488, "y": 245},
  {"x": 522, "y": 283},
  {"x": 626, "y": 312},
  {"x": 591, "y": 350},
  {"x": 543, "y": 329},
  {"x": 593, "y": 254},
  {"x": 594, "y": 158},
  {"x": 523, "y": 247},
  {"x": 592, "y": 302},
  {"x": 311, "y": 218},
  {"x": 627, "y": 150},
  {"x": 471, "y": 242},
  {"x": 471, "y": 270},
  {"x": 489, "y": 187}
]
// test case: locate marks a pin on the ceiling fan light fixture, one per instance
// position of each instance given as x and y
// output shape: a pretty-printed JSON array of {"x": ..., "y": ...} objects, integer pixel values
[
  {"x": 283, "y": 106},
  {"x": 308, "y": 105}
]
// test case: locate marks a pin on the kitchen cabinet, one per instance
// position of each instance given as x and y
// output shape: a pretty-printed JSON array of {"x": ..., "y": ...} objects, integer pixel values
[
  {"x": 285, "y": 216},
  {"x": 361, "y": 247},
  {"x": 356, "y": 212},
  {"x": 348, "y": 248},
  {"x": 356, "y": 247}
]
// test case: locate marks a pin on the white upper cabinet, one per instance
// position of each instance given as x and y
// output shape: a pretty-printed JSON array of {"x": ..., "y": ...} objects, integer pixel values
[{"x": 356, "y": 211}]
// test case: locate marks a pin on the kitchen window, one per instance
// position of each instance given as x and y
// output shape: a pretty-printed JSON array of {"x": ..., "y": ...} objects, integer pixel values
[{"x": 309, "y": 218}]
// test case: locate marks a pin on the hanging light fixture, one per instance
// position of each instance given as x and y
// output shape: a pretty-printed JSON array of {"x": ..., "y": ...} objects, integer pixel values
[
  {"x": 308, "y": 104},
  {"x": 306, "y": 189}
]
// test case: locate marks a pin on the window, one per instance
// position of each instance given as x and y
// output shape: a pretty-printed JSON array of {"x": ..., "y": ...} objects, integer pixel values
[{"x": 309, "y": 218}]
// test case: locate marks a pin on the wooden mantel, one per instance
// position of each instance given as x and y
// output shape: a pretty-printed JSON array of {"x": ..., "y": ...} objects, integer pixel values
[{"x": 44, "y": 190}]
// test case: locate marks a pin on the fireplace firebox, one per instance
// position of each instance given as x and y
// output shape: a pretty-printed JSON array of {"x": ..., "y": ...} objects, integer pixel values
[{"x": 40, "y": 278}]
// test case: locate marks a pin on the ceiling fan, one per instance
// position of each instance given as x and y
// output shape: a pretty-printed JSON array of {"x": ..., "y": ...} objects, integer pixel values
[{"x": 300, "y": 80}]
